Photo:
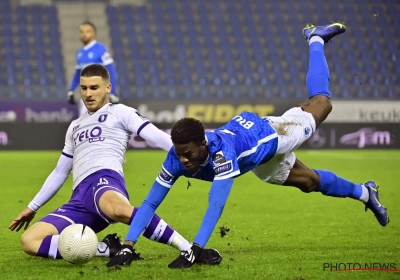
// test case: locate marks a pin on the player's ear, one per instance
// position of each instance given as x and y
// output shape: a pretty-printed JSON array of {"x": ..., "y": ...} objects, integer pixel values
[
  {"x": 109, "y": 87},
  {"x": 204, "y": 143}
]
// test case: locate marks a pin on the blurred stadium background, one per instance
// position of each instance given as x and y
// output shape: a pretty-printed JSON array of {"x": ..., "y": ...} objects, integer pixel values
[
  {"x": 211, "y": 59},
  {"x": 207, "y": 59}
]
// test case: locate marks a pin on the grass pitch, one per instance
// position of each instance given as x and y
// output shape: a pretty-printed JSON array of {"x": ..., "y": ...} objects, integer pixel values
[{"x": 274, "y": 232}]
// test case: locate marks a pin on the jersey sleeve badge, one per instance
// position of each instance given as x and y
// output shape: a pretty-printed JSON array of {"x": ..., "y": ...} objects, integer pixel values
[{"x": 218, "y": 158}]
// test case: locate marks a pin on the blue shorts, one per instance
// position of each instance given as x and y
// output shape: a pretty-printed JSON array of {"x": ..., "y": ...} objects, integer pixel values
[{"x": 83, "y": 207}]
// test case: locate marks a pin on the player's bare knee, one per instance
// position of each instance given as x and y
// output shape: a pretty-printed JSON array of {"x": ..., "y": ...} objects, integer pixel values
[
  {"x": 303, "y": 178},
  {"x": 32, "y": 238},
  {"x": 319, "y": 107},
  {"x": 307, "y": 186},
  {"x": 29, "y": 243},
  {"x": 327, "y": 105},
  {"x": 310, "y": 182}
]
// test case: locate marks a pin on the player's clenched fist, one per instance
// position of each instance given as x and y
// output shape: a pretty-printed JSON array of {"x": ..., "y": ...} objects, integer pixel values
[{"x": 125, "y": 256}]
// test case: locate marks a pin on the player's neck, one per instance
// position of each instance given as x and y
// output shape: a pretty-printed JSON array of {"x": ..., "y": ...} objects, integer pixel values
[
  {"x": 205, "y": 156},
  {"x": 89, "y": 44}
]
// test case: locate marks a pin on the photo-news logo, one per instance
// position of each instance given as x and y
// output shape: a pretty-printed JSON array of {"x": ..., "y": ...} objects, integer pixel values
[{"x": 357, "y": 266}]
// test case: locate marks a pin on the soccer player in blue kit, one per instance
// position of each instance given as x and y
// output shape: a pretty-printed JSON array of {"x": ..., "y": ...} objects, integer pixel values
[
  {"x": 263, "y": 145},
  {"x": 92, "y": 52}
]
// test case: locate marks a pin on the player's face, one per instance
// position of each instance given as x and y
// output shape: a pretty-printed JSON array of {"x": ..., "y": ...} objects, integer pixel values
[
  {"x": 191, "y": 155},
  {"x": 86, "y": 34},
  {"x": 94, "y": 92}
]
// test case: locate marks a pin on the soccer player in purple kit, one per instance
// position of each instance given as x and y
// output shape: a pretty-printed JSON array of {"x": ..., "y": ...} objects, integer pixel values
[
  {"x": 95, "y": 145},
  {"x": 263, "y": 145}
]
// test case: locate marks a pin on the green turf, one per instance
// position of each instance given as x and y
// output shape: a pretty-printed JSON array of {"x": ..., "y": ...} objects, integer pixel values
[{"x": 275, "y": 232}]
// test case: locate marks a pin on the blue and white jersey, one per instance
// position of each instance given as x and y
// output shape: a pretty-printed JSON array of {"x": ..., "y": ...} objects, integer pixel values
[
  {"x": 234, "y": 149},
  {"x": 94, "y": 52}
]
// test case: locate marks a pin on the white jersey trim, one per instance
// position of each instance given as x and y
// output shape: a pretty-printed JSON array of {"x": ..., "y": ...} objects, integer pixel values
[
  {"x": 62, "y": 217},
  {"x": 227, "y": 176},
  {"x": 163, "y": 183},
  {"x": 260, "y": 142}
]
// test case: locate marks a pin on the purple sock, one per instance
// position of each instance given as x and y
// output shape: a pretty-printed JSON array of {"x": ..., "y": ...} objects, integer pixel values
[
  {"x": 158, "y": 230},
  {"x": 49, "y": 248}
]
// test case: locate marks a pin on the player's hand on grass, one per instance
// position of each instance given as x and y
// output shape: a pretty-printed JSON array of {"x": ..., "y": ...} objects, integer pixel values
[
  {"x": 187, "y": 258},
  {"x": 124, "y": 257},
  {"x": 209, "y": 256},
  {"x": 70, "y": 97},
  {"x": 24, "y": 218}
]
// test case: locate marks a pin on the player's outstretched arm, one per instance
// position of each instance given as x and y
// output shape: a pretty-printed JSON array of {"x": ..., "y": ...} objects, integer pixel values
[
  {"x": 156, "y": 137},
  {"x": 146, "y": 211},
  {"x": 141, "y": 126},
  {"x": 143, "y": 216},
  {"x": 50, "y": 187},
  {"x": 218, "y": 196}
]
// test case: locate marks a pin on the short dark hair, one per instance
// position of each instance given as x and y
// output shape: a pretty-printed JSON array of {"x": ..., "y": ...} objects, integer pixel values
[
  {"x": 187, "y": 130},
  {"x": 96, "y": 70},
  {"x": 90, "y": 24}
]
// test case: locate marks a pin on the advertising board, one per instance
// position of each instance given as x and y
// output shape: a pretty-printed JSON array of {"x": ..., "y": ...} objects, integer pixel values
[{"x": 51, "y": 136}]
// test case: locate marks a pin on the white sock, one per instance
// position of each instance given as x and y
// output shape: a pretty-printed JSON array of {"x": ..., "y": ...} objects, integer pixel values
[
  {"x": 178, "y": 242},
  {"x": 102, "y": 250},
  {"x": 316, "y": 39},
  {"x": 53, "y": 247},
  {"x": 365, "y": 194}
]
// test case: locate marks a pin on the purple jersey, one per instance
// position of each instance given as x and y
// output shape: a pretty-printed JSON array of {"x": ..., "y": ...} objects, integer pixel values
[{"x": 83, "y": 207}]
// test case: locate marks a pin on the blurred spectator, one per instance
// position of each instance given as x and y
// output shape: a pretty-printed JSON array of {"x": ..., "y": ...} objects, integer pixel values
[{"x": 91, "y": 52}]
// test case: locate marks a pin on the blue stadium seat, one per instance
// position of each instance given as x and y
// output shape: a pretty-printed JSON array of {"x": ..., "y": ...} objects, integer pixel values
[
  {"x": 25, "y": 35},
  {"x": 236, "y": 49}
]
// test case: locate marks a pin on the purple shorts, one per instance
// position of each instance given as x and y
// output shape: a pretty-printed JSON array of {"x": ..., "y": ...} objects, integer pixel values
[{"x": 83, "y": 207}]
